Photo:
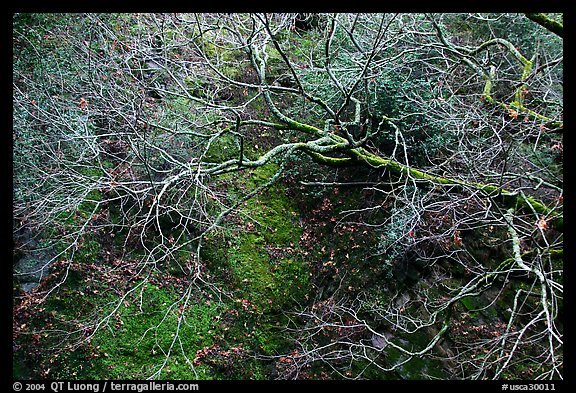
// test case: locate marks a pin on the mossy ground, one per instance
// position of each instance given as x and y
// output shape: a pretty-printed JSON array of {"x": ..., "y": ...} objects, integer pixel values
[{"x": 211, "y": 337}]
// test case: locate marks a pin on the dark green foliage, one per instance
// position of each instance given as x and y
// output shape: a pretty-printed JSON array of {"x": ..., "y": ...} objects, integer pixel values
[
  {"x": 422, "y": 135},
  {"x": 517, "y": 28}
]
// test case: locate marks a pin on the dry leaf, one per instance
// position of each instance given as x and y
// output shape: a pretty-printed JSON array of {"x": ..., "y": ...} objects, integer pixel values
[
  {"x": 542, "y": 224},
  {"x": 557, "y": 146},
  {"x": 457, "y": 239}
]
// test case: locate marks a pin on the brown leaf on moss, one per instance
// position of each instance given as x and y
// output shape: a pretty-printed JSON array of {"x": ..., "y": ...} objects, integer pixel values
[
  {"x": 83, "y": 103},
  {"x": 542, "y": 224}
]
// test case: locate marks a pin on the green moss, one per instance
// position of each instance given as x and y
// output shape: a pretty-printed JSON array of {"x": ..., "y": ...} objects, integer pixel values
[
  {"x": 271, "y": 280},
  {"x": 93, "y": 173},
  {"x": 417, "y": 368},
  {"x": 223, "y": 148},
  {"x": 134, "y": 341},
  {"x": 422, "y": 368},
  {"x": 196, "y": 86},
  {"x": 470, "y": 303},
  {"x": 261, "y": 263},
  {"x": 218, "y": 54},
  {"x": 547, "y": 22},
  {"x": 136, "y": 338},
  {"x": 178, "y": 105}
]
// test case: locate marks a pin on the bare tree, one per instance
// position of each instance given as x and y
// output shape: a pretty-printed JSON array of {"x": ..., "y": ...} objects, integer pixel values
[{"x": 462, "y": 131}]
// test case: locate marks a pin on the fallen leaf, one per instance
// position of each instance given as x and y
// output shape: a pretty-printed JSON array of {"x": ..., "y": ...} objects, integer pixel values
[
  {"x": 542, "y": 224},
  {"x": 457, "y": 239},
  {"x": 83, "y": 103},
  {"x": 557, "y": 146}
]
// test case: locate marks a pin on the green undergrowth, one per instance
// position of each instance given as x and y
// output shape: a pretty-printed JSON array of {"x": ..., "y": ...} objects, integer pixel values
[
  {"x": 150, "y": 332},
  {"x": 256, "y": 255},
  {"x": 262, "y": 244},
  {"x": 146, "y": 329},
  {"x": 155, "y": 330}
]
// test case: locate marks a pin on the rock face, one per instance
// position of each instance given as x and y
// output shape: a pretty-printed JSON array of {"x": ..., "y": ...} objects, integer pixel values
[
  {"x": 33, "y": 265},
  {"x": 30, "y": 270},
  {"x": 380, "y": 340}
]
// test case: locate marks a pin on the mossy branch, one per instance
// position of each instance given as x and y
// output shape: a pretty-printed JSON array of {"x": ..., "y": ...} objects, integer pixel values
[
  {"x": 241, "y": 141},
  {"x": 321, "y": 149},
  {"x": 360, "y": 156},
  {"x": 508, "y": 198},
  {"x": 548, "y": 23},
  {"x": 487, "y": 93},
  {"x": 330, "y": 161},
  {"x": 466, "y": 55}
]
